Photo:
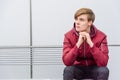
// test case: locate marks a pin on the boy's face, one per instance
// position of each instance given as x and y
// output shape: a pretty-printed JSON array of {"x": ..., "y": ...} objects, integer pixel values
[{"x": 81, "y": 23}]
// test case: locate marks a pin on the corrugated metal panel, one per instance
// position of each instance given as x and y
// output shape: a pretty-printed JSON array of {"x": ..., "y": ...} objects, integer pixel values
[
  {"x": 47, "y": 56},
  {"x": 31, "y": 55},
  {"x": 14, "y": 56}
]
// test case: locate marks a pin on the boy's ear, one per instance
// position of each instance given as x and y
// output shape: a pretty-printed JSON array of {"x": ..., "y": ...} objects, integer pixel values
[{"x": 90, "y": 23}]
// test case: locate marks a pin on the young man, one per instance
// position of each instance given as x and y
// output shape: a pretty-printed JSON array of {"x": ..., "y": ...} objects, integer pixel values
[{"x": 85, "y": 49}]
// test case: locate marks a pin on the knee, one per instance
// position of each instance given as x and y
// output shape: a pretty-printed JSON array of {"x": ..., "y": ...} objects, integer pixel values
[
  {"x": 68, "y": 73},
  {"x": 103, "y": 70},
  {"x": 69, "y": 69}
]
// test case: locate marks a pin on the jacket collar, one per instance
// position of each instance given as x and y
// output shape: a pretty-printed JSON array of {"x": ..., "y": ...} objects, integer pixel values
[{"x": 93, "y": 30}]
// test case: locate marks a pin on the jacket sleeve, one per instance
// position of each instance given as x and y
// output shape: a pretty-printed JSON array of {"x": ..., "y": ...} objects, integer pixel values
[
  {"x": 69, "y": 53},
  {"x": 100, "y": 54}
]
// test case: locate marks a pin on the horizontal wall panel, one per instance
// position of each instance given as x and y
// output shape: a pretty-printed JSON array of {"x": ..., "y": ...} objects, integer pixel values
[
  {"x": 14, "y": 72},
  {"x": 48, "y": 72},
  {"x": 48, "y": 56},
  {"x": 15, "y": 56}
]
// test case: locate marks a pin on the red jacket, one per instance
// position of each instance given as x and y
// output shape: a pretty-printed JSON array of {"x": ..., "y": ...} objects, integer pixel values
[{"x": 85, "y": 56}]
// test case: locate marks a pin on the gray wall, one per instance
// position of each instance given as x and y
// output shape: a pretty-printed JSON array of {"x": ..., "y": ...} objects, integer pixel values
[{"x": 50, "y": 20}]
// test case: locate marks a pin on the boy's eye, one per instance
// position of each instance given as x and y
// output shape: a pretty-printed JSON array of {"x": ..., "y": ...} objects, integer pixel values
[{"x": 81, "y": 19}]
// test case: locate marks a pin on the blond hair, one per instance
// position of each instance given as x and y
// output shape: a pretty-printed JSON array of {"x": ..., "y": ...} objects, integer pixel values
[{"x": 88, "y": 11}]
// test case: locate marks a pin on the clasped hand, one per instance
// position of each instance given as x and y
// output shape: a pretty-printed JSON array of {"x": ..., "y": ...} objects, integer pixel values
[{"x": 84, "y": 36}]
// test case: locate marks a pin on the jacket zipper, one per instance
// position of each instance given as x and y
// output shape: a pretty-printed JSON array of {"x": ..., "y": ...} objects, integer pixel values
[{"x": 85, "y": 54}]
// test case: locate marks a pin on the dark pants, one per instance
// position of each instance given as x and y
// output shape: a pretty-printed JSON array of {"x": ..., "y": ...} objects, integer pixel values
[{"x": 80, "y": 72}]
